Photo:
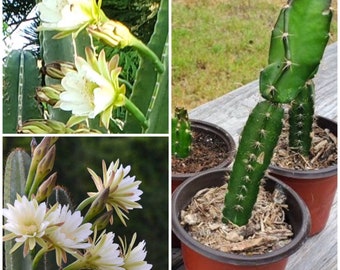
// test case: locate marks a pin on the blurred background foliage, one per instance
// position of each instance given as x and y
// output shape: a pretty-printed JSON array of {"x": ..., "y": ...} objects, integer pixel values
[{"x": 148, "y": 158}]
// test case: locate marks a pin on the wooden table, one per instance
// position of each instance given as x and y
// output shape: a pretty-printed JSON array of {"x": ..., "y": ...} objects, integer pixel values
[{"x": 231, "y": 112}]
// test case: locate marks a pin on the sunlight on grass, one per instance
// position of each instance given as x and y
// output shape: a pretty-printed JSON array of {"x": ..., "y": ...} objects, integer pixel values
[{"x": 218, "y": 46}]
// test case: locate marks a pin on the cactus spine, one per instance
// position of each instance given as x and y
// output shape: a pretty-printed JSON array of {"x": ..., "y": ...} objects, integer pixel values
[
  {"x": 297, "y": 44},
  {"x": 181, "y": 135}
]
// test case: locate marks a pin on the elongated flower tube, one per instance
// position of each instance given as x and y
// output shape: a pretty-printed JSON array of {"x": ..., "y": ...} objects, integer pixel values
[
  {"x": 69, "y": 16},
  {"x": 117, "y": 34},
  {"x": 94, "y": 88}
]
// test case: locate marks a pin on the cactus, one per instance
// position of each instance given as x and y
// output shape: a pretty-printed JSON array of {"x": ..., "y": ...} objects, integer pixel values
[
  {"x": 297, "y": 44},
  {"x": 181, "y": 135},
  {"x": 150, "y": 86},
  {"x": 258, "y": 140},
  {"x": 301, "y": 115},
  {"x": 21, "y": 77},
  {"x": 16, "y": 171}
]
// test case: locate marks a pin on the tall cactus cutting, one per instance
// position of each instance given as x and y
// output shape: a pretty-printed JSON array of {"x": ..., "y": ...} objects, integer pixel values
[{"x": 297, "y": 44}]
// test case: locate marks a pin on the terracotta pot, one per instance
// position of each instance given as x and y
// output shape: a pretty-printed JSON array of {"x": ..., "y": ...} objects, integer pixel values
[
  {"x": 200, "y": 257},
  {"x": 178, "y": 178},
  {"x": 316, "y": 187}
]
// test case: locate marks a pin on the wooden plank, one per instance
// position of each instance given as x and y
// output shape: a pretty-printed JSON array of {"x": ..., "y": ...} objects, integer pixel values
[{"x": 230, "y": 112}]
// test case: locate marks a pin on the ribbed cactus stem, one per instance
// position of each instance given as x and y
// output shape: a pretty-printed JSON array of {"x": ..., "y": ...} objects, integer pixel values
[
  {"x": 16, "y": 169},
  {"x": 301, "y": 115},
  {"x": 181, "y": 134},
  {"x": 297, "y": 44},
  {"x": 258, "y": 140},
  {"x": 21, "y": 77}
]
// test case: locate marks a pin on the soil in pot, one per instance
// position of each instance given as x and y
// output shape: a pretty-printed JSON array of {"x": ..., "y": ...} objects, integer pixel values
[
  {"x": 314, "y": 178},
  {"x": 322, "y": 155},
  {"x": 266, "y": 231},
  {"x": 208, "y": 151}
]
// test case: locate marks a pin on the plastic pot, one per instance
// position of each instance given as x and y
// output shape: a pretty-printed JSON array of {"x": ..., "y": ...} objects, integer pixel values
[
  {"x": 178, "y": 178},
  {"x": 316, "y": 187},
  {"x": 197, "y": 256}
]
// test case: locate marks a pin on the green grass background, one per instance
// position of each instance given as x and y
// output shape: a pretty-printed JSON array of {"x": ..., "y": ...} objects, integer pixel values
[{"x": 220, "y": 45}]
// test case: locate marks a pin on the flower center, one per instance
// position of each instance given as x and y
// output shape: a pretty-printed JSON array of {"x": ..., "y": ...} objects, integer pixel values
[{"x": 30, "y": 229}]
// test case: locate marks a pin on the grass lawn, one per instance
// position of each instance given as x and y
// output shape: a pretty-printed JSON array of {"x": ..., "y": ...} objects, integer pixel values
[{"x": 219, "y": 45}]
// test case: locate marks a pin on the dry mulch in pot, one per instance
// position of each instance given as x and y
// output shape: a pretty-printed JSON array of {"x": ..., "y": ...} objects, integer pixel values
[
  {"x": 322, "y": 155},
  {"x": 266, "y": 231},
  {"x": 208, "y": 151}
]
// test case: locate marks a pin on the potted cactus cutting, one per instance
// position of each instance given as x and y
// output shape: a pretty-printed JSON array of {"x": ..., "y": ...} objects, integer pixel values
[
  {"x": 189, "y": 138},
  {"x": 297, "y": 44}
]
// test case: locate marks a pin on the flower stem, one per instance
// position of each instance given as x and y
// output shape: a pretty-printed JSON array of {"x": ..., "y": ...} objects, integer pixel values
[
  {"x": 38, "y": 257},
  {"x": 147, "y": 53},
  {"x": 85, "y": 203},
  {"x": 132, "y": 108}
]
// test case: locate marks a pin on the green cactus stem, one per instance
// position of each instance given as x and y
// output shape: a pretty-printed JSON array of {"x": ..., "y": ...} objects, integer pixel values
[
  {"x": 258, "y": 140},
  {"x": 181, "y": 135},
  {"x": 148, "y": 79},
  {"x": 21, "y": 77},
  {"x": 301, "y": 116},
  {"x": 16, "y": 170},
  {"x": 297, "y": 44}
]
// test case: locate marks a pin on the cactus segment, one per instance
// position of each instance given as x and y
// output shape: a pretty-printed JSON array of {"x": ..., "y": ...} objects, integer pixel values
[
  {"x": 297, "y": 44},
  {"x": 16, "y": 170},
  {"x": 181, "y": 136},
  {"x": 147, "y": 79},
  {"x": 21, "y": 77},
  {"x": 258, "y": 140},
  {"x": 159, "y": 104},
  {"x": 301, "y": 120}
]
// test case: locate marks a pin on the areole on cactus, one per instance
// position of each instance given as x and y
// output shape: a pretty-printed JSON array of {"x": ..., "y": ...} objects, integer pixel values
[{"x": 297, "y": 44}]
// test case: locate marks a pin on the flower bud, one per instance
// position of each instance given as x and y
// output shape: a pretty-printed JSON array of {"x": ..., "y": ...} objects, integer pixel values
[
  {"x": 45, "y": 166},
  {"x": 101, "y": 222},
  {"x": 98, "y": 205},
  {"x": 112, "y": 33},
  {"x": 58, "y": 70},
  {"x": 49, "y": 94},
  {"x": 46, "y": 188}
]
